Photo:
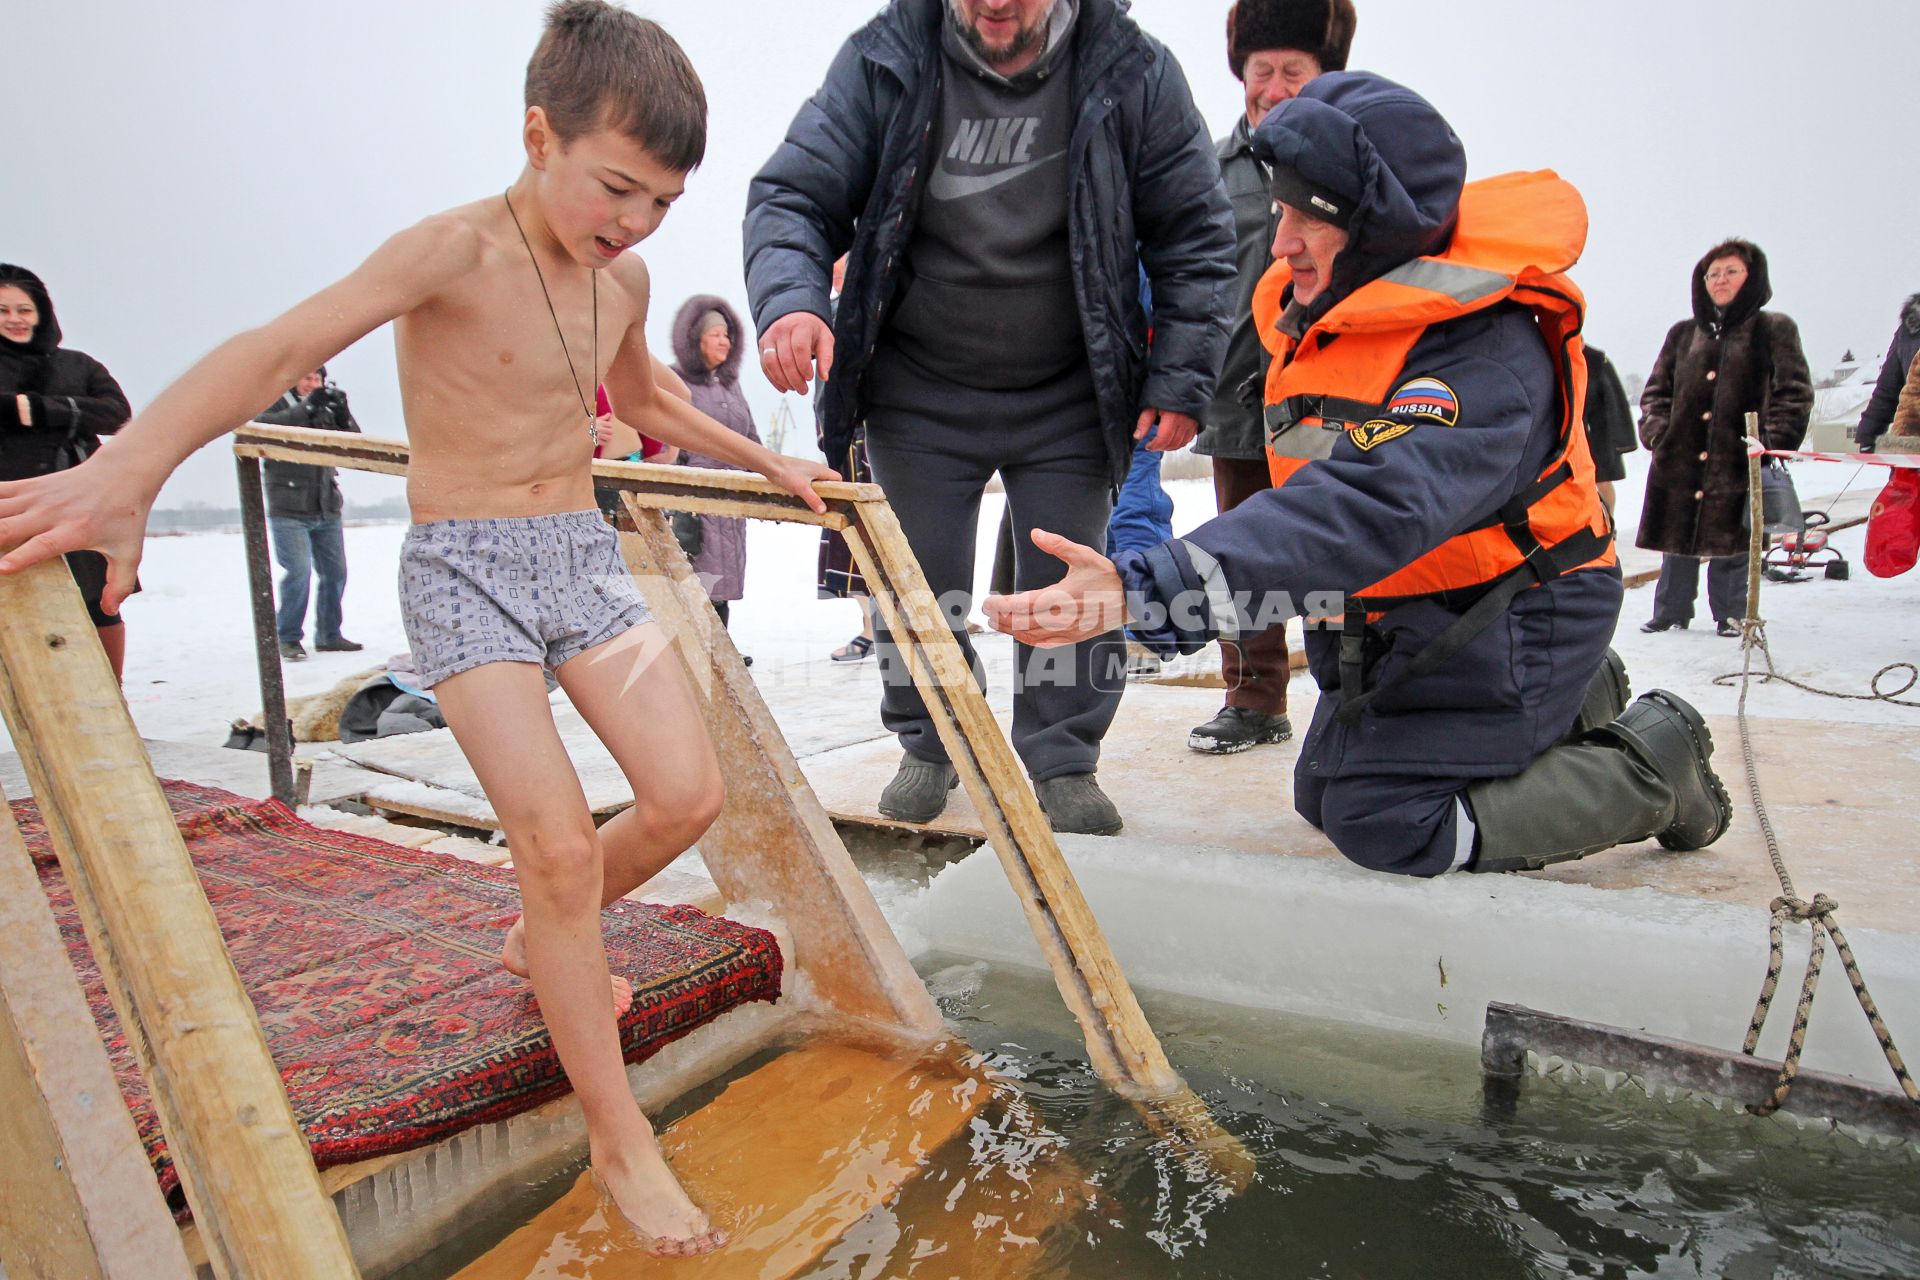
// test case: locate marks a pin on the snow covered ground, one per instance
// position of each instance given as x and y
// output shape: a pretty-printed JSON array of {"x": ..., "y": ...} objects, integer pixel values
[{"x": 190, "y": 667}]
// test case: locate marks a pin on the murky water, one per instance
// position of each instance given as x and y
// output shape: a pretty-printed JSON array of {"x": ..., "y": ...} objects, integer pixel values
[{"x": 1376, "y": 1160}]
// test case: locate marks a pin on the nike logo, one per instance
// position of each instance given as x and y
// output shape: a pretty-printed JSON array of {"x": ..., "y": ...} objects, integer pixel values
[{"x": 954, "y": 186}]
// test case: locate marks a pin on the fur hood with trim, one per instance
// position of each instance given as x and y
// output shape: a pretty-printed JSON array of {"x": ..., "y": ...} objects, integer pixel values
[{"x": 687, "y": 360}]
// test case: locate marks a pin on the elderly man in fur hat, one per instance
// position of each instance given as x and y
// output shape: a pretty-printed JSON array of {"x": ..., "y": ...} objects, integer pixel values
[{"x": 1275, "y": 48}]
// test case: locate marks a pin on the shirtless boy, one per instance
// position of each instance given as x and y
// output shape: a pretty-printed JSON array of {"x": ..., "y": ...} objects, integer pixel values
[{"x": 507, "y": 312}]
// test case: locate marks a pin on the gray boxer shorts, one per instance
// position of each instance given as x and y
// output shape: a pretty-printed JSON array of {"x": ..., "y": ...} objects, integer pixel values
[{"x": 540, "y": 589}]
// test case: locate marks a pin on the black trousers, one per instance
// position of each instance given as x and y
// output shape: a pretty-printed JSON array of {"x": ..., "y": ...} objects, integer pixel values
[
  {"x": 1680, "y": 584},
  {"x": 934, "y": 463}
]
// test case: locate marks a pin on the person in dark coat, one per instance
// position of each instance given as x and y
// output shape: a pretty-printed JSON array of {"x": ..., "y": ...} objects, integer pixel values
[
  {"x": 55, "y": 404},
  {"x": 998, "y": 180},
  {"x": 1275, "y": 48},
  {"x": 1609, "y": 418},
  {"x": 1730, "y": 359},
  {"x": 1894, "y": 370},
  {"x": 304, "y": 508},
  {"x": 706, "y": 354}
]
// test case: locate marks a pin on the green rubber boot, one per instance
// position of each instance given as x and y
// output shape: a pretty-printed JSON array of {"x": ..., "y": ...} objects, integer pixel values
[{"x": 1645, "y": 774}]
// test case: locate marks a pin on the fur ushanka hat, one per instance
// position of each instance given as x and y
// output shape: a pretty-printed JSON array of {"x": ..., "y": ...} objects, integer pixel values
[{"x": 1323, "y": 28}]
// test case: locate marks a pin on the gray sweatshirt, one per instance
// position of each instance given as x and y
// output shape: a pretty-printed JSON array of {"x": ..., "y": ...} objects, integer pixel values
[{"x": 988, "y": 300}]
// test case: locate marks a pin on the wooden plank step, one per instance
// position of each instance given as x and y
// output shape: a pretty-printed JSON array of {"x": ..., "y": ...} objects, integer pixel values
[{"x": 787, "y": 1158}]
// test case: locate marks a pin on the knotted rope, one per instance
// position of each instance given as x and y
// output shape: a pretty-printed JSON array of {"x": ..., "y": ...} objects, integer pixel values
[{"x": 1818, "y": 913}]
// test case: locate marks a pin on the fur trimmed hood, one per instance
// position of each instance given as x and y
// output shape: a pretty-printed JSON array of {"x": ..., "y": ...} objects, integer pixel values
[
  {"x": 686, "y": 340},
  {"x": 1753, "y": 295},
  {"x": 1910, "y": 314}
]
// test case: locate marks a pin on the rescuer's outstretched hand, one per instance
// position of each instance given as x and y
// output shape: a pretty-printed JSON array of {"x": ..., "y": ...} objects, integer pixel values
[{"x": 1088, "y": 602}]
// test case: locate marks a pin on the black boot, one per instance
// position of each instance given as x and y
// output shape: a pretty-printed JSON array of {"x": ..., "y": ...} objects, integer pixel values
[
  {"x": 1669, "y": 736},
  {"x": 1644, "y": 775},
  {"x": 1607, "y": 696},
  {"x": 1236, "y": 729},
  {"x": 919, "y": 790},
  {"x": 1074, "y": 803}
]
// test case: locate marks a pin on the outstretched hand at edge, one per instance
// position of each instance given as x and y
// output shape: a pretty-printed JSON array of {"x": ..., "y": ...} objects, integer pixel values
[
  {"x": 95, "y": 506},
  {"x": 1088, "y": 602}
]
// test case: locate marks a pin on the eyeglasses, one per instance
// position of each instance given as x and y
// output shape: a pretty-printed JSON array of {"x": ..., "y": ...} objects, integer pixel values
[{"x": 1727, "y": 273}]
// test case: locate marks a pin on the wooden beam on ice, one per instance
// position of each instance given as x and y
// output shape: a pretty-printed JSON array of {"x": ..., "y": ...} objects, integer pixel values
[
  {"x": 1120, "y": 1044},
  {"x": 773, "y": 841},
  {"x": 248, "y": 1175},
  {"x": 78, "y": 1200}
]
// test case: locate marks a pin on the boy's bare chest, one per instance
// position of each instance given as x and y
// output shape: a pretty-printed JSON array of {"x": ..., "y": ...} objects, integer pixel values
[{"x": 498, "y": 323}]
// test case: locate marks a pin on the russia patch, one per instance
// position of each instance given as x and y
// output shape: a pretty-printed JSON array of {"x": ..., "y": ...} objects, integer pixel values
[{"x": 1426, "y": 399}]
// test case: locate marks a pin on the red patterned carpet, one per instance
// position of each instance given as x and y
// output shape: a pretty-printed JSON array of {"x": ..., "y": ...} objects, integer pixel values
[{"x": 374, "y": 969}]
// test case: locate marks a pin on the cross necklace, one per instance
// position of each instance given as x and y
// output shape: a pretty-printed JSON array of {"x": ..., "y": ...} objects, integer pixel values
[{"x": 593, "y": 422}]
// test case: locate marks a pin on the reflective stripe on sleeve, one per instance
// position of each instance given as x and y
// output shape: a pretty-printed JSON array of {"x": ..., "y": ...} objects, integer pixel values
[{"x": 1220, "y": 608}]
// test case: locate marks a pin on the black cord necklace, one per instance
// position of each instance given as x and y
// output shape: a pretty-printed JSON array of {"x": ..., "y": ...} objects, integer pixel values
[{"x": 593, "y": 422}]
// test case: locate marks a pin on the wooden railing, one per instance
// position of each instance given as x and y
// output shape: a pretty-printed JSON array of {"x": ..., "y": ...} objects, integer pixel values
[
  {"x": 77, "y": 1196},
  {"x": 1121, "y": 1046}
]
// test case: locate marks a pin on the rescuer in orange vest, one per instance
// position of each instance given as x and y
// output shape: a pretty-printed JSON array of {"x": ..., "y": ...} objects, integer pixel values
[{"x": 1434, "y": 516}]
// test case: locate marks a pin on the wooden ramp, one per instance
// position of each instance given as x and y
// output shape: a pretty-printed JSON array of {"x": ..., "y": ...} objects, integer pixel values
[{"x": 787, "y": 1158}]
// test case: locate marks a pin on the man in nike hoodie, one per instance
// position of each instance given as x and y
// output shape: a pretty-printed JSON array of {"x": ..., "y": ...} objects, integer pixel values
[{"x": 999, "y": 171}]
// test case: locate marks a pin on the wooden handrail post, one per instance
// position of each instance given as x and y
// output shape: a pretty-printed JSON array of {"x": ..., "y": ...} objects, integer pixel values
[
  {"x": 266, "y": 631},
  {"x": 773, "y": 841},
  {"x": 78, "y": 1200},
  {"x": 248, "y": 1174},
  {"x": 1121, "y": 1045}
]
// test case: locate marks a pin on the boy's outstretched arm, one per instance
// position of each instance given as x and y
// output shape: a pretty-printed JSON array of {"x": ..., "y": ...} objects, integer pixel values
[
  {"x": 649, "y": 409},
  {"x": 103, "y": 503}
]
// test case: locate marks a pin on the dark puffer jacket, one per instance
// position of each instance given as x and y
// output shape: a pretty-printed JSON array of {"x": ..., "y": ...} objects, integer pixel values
[
  {"x": 1893, "y": 375},
  {"x": 1144, "y": 190},
  {"x": 72, "y": 398},
  {"x": 1713, "y": 370},
  {"x": 298, "y": 489}
]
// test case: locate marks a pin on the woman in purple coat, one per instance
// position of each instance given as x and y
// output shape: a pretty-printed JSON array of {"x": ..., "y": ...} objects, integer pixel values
[{"x": 706, "y": 354}]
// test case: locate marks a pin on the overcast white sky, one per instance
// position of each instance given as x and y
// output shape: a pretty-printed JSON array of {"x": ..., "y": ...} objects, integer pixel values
[{"x": 180, "y": 172}]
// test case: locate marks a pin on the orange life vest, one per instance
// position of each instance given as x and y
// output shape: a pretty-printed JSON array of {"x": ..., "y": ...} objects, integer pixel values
[{"x": 1517, "y": 235}]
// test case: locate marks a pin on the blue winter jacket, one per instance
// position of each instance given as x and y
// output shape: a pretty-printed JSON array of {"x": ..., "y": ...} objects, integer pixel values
[
  {"x": 1144, "y": 191},
  {"x": 1342, "y": 523}
]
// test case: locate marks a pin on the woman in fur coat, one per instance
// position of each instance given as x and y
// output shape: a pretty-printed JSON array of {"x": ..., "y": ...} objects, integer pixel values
[
  {"x": 1729, "y": 360},
  {"x": 706, "y": 352},
  {"x": 1906, "y": 417}
]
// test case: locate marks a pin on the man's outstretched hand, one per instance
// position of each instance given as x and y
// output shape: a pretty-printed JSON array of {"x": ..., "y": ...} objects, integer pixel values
[
  {"x": 90, "y": 507},
  {"x": 1088, "y": 602}
]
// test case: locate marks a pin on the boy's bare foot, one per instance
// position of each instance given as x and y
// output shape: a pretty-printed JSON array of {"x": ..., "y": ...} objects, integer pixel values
[
  {"x": 667, "y": 1224},
  {"x": 513, "y": 958}
]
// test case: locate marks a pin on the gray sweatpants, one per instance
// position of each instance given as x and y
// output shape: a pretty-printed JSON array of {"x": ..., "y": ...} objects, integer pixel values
[{"x": 934, "y": 463}]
